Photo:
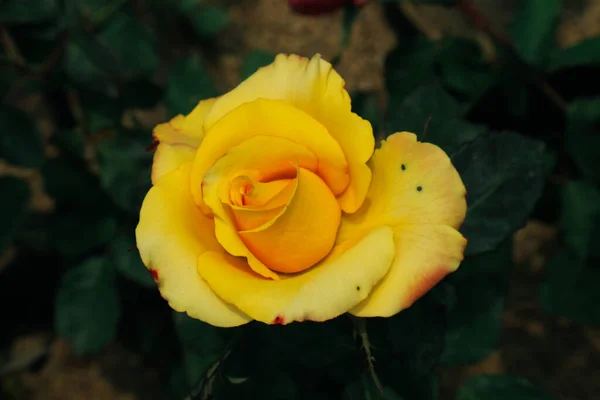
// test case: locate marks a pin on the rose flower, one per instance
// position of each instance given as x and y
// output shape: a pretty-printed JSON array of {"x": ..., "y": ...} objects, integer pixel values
[{"x": 270, "y": 203}]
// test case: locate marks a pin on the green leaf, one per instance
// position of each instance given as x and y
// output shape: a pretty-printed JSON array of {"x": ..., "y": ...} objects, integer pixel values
[
  {"x": 434, "y": 116},
  {"x": 533, "y": 29},
  {"x": 71, "y": 142},
  {"x": 131, "y": 43},
  {"x": 579, "y": 214},
  {"x": 571, "y": 288},
  {"x": 101, "y": 111},
  {"x": 87, "y": 306},
  {"x": 140, "y": 93},
  {"x": 97, "y": 11},
  {"x": 125, "y": 168},
  {"x": 584, "y": 53},
  {"x": 583, "y": 135},
  {"x": 253, "y": 61},
  {"x": 20, "y": 141},
  {"x": 365, "y": 388},
  {"x": 408, "y": 66},
  {"x": 475, "y": 322},
  {"x": 504, "y": 176},
  {"x": 13, "y": 209},
  {"x": 500, "y": 387},
  {"x": 208, "y": 20},
  {"x": 127, "y": 261},
  {"x": 463, "y": 70},
  {"x": 77, "y": 232},
  {"x": 26, "y": 11},
  {"x": 91, "y": 64},
  {"x": 189, "y": 82},
  {"x": 201, "y": 342}
]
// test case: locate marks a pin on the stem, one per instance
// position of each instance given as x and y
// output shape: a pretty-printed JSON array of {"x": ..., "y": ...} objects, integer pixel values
[{"x": 360, "y": 326}]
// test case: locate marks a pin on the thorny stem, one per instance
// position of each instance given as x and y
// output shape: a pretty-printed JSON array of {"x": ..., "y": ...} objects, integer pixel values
[{"x": 360, "y": 326}]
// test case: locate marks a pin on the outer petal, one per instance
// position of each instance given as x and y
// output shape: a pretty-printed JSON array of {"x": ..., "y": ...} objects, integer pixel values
[
  {"x": 316, "y": 88},
  {"x": 321, "y": 293},
  {"x": 275, "y": 119},
  {"x": 178, "y": 139},
  {"x": 171, "y": 234},
  {"x": 417, "y": 192}
]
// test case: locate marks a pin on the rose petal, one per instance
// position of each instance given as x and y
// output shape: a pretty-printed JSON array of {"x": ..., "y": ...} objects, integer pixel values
[
  {"x": 417, "y": 191},
  {"x": 178, "y": 139},
  {"x": 321, "y": 293},
  {"x": 313, "y": 86},
  {"x": 303, "y": 233},
  {"x": 273, "y": 119},
  {"x": 171, "y": 234}
]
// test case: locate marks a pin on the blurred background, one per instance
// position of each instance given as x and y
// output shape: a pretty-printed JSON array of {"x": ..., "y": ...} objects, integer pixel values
[{"x": 83, "y": 83}]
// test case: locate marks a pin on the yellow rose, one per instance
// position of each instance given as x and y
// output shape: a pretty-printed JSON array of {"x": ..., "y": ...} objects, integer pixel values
[{"x": 270, "y": 204}]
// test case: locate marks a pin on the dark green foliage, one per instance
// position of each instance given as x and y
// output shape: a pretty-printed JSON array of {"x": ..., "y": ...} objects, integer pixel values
[
  {"x": 87, "y": 306},
  {"x": 497, "y": 387}
]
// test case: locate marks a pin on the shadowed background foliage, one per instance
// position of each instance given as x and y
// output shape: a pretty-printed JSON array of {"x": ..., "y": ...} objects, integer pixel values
[{"x": 508, "y": 88}]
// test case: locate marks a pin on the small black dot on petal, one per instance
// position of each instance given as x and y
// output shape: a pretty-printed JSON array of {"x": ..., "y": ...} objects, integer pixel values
[
  {"x": 358, "y": 288},
  {"x": 403, "y": 167},
  {"x": 419, "y": 188}
]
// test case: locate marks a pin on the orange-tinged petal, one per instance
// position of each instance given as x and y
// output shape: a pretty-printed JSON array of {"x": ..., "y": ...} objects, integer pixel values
[
  {"x": 178, "y": 140},
  {"x": 276, "y": 119},
  {"x": 260, "y": 157},
  {"x": 425, "y": 254},
  {"x": 324, "y": 292},
  {"x": 315, "y": 87},
  {"x": 172, "y": 233},
  {"x": 303, "y": 233},
  {"x": 417, "y": 191}
]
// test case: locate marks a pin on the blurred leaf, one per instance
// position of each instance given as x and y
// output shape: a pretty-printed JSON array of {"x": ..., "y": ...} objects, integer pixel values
[
  {"x": 71, "y": 184},
  {"x": 131, "y": 43},
  {"x": 408, "y": 66},
  {"x": 463, "y": 69},
  {"x": 580, "y": 209},
  {"x": 253, "y": 61},
  {"x": 475, "y": 322},
  {"x": 88, "y": 63},
  {"x": 408, "y": 346},
  {"x": 571, "y": 288},
  {"x": 504, "y": 176},
  {"x": 585, "y": 52},
  {"x": 208, "y": 20},
  {"x": 87, "y": 306},
  {"x": 20, "y": 141},
  {"x": 189, "y": 82},
  {"x": 13, "y": 208},
  {"x": 533, "y": 29},
  {"x": 97, "y": 11},
  {"x": 125, "y": 168},
  {"x": 26, "y": 11},
  {"x": 77, "y": 232},
  {"x": 583, "y": 135},
  {"x": 101, "y": 112},
  {"x": 140, "y": 93},
  {"x": 201, "y": 343},
  {"x": 499, "y": 387},
  {"x": 434, "y": 116},
  {"x": 365, "y": 388},
  {"x": 126, "y": 259}
]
